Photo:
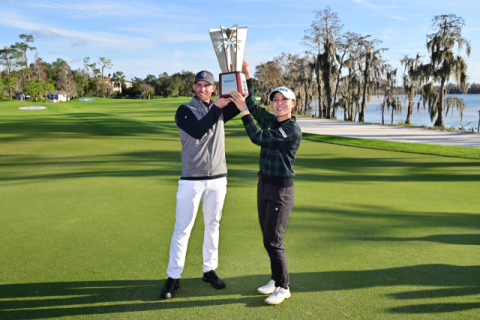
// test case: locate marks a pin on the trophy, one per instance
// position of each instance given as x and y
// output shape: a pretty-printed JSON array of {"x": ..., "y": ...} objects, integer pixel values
[{"x": 229, "y": 46}]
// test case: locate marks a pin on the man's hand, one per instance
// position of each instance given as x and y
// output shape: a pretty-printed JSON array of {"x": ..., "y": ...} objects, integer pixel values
[
  {"x": 222, "y": 102},
  {"x": 246, "y": 69}
]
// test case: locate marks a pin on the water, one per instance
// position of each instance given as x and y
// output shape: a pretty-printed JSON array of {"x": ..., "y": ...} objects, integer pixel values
[{"x": 422, "y": 117}]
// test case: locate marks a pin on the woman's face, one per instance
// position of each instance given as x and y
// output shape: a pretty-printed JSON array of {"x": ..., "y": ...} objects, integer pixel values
[{"x": 283, "y": 106}]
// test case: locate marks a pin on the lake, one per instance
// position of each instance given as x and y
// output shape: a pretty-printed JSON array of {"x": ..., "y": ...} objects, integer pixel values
[{"x": 420, "y": 118}]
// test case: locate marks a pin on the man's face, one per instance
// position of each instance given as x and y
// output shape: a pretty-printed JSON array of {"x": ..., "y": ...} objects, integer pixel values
[{"x": 203, "y": 90}]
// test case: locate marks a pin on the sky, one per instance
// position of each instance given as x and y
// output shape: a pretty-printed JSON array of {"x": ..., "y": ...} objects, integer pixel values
[{"x": 152, "y": 37}]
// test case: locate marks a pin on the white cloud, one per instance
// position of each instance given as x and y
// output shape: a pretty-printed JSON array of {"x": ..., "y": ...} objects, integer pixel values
[
  {"x": 126, "y": 8},
  {"x": 471, "y": 29},
  {"x": 384, "y": 9},
  {"x": 44, "y": 33},
  {"x": 168, "y": 34},
  {"x": 102, "y": 39},
  {"x": 79, "y": 43}
]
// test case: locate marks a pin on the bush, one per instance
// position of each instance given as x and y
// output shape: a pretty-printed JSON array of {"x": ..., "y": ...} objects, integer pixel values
[{"x": 4, "y": 99}]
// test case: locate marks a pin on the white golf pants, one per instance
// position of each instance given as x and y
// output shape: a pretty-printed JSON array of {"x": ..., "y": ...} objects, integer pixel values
[{"x": 190, "y": 192}]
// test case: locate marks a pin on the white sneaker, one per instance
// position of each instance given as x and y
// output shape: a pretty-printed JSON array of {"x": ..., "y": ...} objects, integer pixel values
[
  {"x": 278, "y": 295},
  {"x": 268, "y": 288}
]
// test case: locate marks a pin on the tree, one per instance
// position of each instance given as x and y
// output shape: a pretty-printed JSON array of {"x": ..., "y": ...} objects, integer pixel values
[
  {"x": 8, "y": 56},
  {"x": 1, "y": 87},
  {"x": 118, "y": 79},
  {"x": 443, "y": 61},
  {"x": 146, "y": 90},
  {"x": 175, "y": 84},
  {"x": 411, "y": 81},
  {"x": 105, "y": 63},
  {"x": 390, "y": 100},
  {"x": 47, "y": 88},
  {"x": 347, "y": 45},
  {"x": 9, "y": 83},
  {"x": 23, "y": 47},
  {"x": 188, "y": 78},
  {"x": 370, "y": 66},
  {"x": 151, "y": 80},
  {"x": 38, "y": 69},
  {"x": 269, "y": 75},
  {"x": 65, "y": 81},
  {"x": 95, "y": 72},
  {"x": 80, "y": 76},
  {"x": 323, "y": 37},
  {"x": 34, "y": 88}
]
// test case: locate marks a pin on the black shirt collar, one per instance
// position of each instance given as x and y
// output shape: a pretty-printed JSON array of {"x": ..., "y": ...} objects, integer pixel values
[{"x": 206, "y": 104}]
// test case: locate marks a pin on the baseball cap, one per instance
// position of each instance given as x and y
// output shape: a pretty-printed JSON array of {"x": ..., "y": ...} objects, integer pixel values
[
  {"x": 287, "y": 93},
  {"x": 204, "y": 75}
]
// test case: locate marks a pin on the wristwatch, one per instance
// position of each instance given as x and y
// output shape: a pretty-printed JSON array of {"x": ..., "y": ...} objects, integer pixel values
[{"x": 244, "y": 109}]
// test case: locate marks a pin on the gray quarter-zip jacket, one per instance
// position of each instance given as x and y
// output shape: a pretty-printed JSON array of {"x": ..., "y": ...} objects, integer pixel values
[{"x": 202, "y": 135}]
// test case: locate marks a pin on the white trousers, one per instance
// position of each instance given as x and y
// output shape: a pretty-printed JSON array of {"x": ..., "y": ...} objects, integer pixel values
[{"x": 190, "y": 192}]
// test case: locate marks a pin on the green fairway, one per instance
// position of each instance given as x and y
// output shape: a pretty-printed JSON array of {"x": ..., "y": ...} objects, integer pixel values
[{"x": 87, "y": 202}]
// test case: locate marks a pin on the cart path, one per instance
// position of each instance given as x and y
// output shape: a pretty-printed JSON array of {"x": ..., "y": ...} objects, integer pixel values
[{"x": 390, "y": 133}]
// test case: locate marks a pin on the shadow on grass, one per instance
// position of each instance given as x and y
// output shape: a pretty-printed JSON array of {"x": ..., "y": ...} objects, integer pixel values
[
  {"x": 58, "y": 299},
  {"x": 459, "y": 239},
  {"x": 370, "y": 220},
  {"x": 140, "y": 164},
  {"x": 63, "y": 125}
]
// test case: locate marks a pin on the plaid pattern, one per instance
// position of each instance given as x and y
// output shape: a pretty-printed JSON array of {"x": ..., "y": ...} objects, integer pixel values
[{"x": 279, "y": 143}]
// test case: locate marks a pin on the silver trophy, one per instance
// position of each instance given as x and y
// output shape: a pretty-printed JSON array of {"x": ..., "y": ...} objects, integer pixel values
[{"x": 229, "y": 46}]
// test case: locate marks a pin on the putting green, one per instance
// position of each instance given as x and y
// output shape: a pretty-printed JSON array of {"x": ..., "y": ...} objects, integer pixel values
[{"x": 87, "y": 202}]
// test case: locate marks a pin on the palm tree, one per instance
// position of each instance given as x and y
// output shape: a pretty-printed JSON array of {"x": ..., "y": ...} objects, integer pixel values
[
  {"x": 443, "y": 61},
  {"x": 118, "y": 79}
]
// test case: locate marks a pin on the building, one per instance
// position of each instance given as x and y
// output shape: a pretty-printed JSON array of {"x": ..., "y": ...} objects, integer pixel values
[
  {"x": 116, "y": 87},
  {"x": 58, "y": 96}
]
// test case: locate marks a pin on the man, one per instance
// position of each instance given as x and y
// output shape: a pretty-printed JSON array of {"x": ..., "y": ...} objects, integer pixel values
[{"x": 204, "y": 178}]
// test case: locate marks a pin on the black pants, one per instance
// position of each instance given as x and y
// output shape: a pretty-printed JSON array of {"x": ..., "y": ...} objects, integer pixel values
[{"x": 274, "y": 208}]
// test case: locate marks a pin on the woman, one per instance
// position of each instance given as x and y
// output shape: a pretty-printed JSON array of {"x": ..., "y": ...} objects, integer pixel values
[{"x": 279, "y": 136}]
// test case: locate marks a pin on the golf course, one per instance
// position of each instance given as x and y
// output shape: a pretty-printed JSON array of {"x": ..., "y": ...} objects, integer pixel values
[{"x": 87, "y": 211}]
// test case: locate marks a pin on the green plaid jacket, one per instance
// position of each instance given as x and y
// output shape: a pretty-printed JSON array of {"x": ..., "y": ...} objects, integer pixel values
[{"x": 279, "y": 141}]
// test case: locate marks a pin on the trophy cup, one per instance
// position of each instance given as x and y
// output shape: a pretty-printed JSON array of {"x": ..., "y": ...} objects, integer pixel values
[{"x": 229, "y": 46}]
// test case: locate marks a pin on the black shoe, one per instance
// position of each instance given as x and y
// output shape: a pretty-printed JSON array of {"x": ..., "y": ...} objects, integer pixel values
[
  {"x": 214, "y": 280},
  {"x": 169, "y": 288}
]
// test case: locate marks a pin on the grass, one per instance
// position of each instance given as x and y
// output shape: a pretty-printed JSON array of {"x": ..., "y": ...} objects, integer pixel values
[
  {"x": 87, "y": 205},
  {"x": 446, "y": 151}
]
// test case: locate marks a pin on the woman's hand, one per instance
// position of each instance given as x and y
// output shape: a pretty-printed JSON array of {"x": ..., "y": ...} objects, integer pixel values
[
  {"x": 239, "y": 100},
  {"x": 246, "y": 70}
]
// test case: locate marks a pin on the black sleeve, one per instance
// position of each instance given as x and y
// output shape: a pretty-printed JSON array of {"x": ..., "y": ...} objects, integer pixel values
[
  {"x": 187, "y": 121},
  {"x": 230, "y": 111}
]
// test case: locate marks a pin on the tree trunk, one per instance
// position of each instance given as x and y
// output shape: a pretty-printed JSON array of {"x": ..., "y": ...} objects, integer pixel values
[
  {"x": 410, "y": 110},
  {"x": 319, "y": 89},
  {"x": 439, "y": 122},
  {"x": 478, "y": 128},
  {"x": 383, "y": 113},
  {"x": 361, "y": 116},
  {"x": 392, "y": 115}
]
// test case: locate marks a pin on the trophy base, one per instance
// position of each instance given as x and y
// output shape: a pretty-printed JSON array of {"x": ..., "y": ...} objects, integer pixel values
[{"x": 232, "y": 81}]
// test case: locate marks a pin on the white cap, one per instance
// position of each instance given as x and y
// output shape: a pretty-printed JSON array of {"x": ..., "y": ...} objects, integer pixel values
[{"x": 287, "y": 93}]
